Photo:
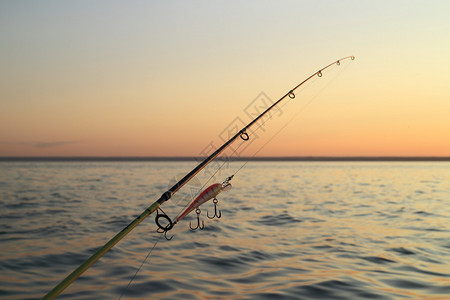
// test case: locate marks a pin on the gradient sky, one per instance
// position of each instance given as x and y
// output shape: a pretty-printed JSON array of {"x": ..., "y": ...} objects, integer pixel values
[{"x": 168, "y": 78}]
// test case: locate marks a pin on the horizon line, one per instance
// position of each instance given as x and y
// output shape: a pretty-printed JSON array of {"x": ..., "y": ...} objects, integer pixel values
[{"x": 243, "y": 158}]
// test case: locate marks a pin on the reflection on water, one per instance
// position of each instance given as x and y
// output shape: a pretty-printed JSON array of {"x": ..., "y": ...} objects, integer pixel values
[{"x": 288, "y": 230}]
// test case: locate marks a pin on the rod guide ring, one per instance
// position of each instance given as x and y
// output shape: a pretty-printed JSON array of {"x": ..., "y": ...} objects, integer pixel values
[
  {"x": 244, "y": 136},
  {"x": 164, "y": 216}
]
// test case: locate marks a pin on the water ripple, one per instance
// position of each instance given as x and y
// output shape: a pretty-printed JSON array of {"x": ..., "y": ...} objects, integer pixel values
[
  {"x": 310, "y": 231},
  {"x": 278, "y": 220}
]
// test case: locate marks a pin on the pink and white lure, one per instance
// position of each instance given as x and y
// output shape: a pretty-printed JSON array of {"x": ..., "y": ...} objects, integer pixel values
[{"x": 209, "y": 193}]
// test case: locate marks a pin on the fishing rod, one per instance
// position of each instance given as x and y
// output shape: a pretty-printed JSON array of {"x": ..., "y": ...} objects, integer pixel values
[{"x": 170, "y": 192}]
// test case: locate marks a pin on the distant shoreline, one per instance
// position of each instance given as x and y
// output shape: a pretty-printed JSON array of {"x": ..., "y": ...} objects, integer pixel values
[{"x": 199, "y": 159}]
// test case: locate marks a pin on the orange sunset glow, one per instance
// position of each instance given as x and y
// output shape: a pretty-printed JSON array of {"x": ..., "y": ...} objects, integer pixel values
[{"x": 169, "y": 78}]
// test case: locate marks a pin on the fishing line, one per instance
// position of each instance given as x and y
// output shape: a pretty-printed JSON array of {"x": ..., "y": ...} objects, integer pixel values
[
  {"x": 260, "y": 125},
  {"x": 142, "y": 264},
  {"x": 155, "y": 206}
]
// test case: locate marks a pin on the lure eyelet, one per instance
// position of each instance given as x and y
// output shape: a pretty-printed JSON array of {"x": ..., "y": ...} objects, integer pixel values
[
  {"x": 291, "y": 95},
  {"x": 319, "y": 73}
]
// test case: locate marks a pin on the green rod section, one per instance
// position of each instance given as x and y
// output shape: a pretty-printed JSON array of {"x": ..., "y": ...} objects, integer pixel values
[{"x": 96, "y": 256}]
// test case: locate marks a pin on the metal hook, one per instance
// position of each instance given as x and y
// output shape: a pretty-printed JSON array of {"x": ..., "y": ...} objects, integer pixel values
[
  {"x": 161, "y": 228},
  {"x": 291, "y": 95},
  {"x": 319, "y": 73},
  {"x": 198, "y": 211},
  {"x": 215, "y": 201}
]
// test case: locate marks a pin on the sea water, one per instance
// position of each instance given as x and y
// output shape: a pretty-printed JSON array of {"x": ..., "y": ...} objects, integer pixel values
[{"x": 289, "y": 230}]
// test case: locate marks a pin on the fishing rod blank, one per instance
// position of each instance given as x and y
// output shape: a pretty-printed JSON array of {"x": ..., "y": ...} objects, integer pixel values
[{"x": 169, "y": 193}]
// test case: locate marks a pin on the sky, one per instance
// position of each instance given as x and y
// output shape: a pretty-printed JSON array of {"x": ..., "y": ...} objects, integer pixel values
[{"x": 176, "y": 78}]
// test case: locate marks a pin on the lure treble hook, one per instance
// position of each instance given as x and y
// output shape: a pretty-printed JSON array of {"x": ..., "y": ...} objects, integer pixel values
[
  {"x": 215, "y": 201},
  {"x": 198, "y": 211}
]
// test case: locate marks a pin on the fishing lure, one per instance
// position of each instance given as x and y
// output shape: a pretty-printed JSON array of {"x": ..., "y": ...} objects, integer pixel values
[{"x": 209, "y": 193}]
